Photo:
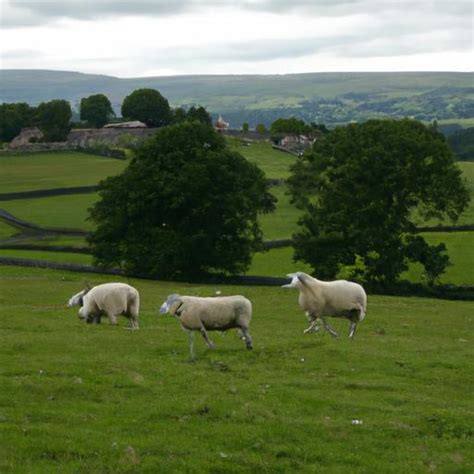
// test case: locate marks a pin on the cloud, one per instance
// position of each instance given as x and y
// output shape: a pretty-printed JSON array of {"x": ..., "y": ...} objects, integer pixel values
[
  {"x": 37, "y": 12},
  {"x": 199, "y": 36},
  {"x": 30, "y": 12}
]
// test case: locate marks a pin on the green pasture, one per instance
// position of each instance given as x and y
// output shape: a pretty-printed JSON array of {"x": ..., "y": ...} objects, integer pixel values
[
  {"x": 61, "y": 257},
  {"x": 68, "y": 211},
  {"x": 460, "y": 246},
  {"x": 29, "y": 172},
  {"x": 100, "y": 399},
  {"x": 7, "y": 231},
  {"x": 282, "y": 223},
  {"x": 273, "y": 162},
  {"x": 277, "y": 263}
]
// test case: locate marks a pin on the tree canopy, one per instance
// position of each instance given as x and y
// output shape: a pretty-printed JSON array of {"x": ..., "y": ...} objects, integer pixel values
[
  {"x": 289, "y": 125},
  {"x": 148, "y": 106},
  {"x": 359, "y": 187},
  {"x": 96, "y": 109},
  {"x": 53, "y": 118},
  {"x": 14, "y": 117},
  {"x": 186, "y": 205},
  {"x": 192, "y": 114}
]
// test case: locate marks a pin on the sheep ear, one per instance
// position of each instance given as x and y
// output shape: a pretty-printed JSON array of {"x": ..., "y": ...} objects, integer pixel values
[
  {"x": 304, "y": 278},
  {"x": 294, "y": 281}
]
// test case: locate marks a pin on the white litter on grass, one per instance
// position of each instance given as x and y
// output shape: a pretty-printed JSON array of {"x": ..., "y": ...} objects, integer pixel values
[
  {"x": 302, "y": 359},
  {"x": 357, "y": 422},
  {"x": 218, "y": 292},
  {"x": 223, "y": 455}
]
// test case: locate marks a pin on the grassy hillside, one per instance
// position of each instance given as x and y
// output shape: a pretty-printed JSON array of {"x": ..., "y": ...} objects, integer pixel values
[
  {"x": 320, "y": 97},
  {"x": 83, "y": 398},
  {"x": 58, "y": 211},
  {"x": 50, "y": 170},
  {"x": 29, "y": 172}
]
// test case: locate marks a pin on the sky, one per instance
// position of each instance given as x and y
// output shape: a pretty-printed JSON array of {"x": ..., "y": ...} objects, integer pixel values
[{"x": 138, "y": 38}]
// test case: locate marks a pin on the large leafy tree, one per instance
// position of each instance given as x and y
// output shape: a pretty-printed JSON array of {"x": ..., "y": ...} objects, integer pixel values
[
  {"x": 54, "y": 119},
  {"x": 186, "y": 205},
  {"x": 360, "y": 186},
  {"x": 96, "y": 109},
  {"x": 14, "y": 117},
  {"x": 199, "y": 114},
  {"x": 148, "y": 106}
]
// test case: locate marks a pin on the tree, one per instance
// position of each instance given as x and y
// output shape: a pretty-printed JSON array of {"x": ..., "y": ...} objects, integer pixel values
[
  {"x": 14, "y": 117},
  {"x": 200, "y": 114},
  {"x": 96, "y": 109},
  {"x": 53, "y": 118},
  {"x": 289, "y": 125},
  {"x": 148, "y": 106},
  {"x": 359, "y": 188},
  {"x": 186, "y": 205},
  {"x": 245, "y": 127},
  {"x": 260, "y": 128}
]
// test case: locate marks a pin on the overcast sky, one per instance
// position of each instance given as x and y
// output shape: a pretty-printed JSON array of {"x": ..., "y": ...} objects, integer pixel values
[{"x": 134, "y": 38}]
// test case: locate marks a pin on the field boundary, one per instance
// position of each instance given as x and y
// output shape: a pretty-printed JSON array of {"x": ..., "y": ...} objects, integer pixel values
[
  {"x": 19, "y": 223},
  {"x": 48, "y": 192},
  {"x": 448, "y": 292}
]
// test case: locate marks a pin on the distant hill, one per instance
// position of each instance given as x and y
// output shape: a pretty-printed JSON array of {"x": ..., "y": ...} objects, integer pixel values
[{"x": 329, "y": 98}]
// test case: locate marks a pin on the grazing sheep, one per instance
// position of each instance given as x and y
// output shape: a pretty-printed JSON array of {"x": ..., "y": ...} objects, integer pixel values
[
  {"x": 319, "y": 299},
  {"x": 112, "y": 299},
  {"x": 210, "y": 314}
]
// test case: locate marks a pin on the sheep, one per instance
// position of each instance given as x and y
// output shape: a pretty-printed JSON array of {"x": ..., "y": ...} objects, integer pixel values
[
  {"x": 210, "y": 314},
  {"x": 319, "y": 299},
  {"x": 110, "y": 298}
]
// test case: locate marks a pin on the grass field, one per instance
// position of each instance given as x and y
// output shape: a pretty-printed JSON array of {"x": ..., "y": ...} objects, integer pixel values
[
  {"x": 30, "y": 172},
  {"x": 62, "y": 257},
  {"x": 58, "y": 211},
  {"x": 274, "y": 163},
  {"x": 6, "y": 230},
  {"x": 460, "y": 246},
  {"x": 78, "y": 398},
  {"x": 98, "y": 399},
  {"x": 282, "y": 223}
]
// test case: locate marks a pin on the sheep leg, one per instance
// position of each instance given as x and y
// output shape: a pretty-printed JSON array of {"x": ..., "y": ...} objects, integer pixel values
[
  {"x": 112, "y": 318},
  {"x": 328, "y": 328},
  {"x": 209, "y": 343},
  {"x": 191, "y": 344},
  {"x": 313, "y": 327},
  {"x": 352, "y": 329},
  {"x": 247, "y": 338},
  {"x": 133, "y": 323}
]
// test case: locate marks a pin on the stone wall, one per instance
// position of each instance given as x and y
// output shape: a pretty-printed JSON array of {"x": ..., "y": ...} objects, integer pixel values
[{"x": 89, "y": 137}]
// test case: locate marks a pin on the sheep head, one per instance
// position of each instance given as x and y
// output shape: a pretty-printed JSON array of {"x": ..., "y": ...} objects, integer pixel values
[
  {"x": 171, "y": 304},
  {"x": 78, "y": 298},
  {"x": 298, "y": 280}
]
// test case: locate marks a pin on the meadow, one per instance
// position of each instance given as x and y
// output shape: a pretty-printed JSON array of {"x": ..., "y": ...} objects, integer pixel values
[
  {"x": 99, "y": 399},
  {"x": 29, "y": 172},
  {"x": 71, "y": 211}
]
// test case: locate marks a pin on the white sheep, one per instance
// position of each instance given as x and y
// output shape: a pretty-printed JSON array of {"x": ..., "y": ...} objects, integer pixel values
[
  {"x": 112, "y": 299},
  {"x": 319, "y": 299},
  {"x": 210, "y": 314}
]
